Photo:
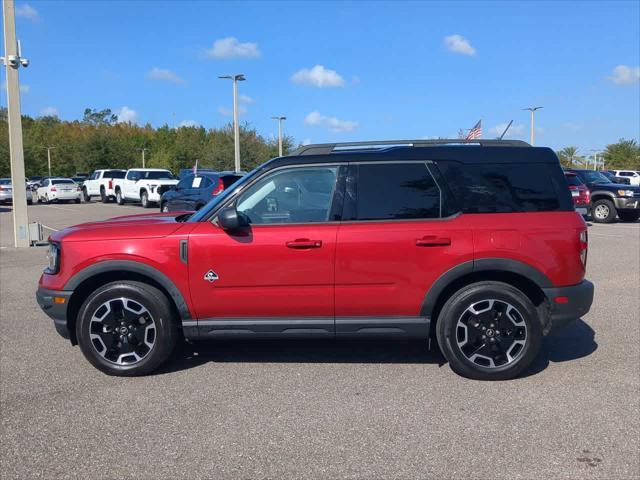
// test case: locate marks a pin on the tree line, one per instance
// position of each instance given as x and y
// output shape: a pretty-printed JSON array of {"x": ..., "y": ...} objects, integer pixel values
[{"x": 100, "y": 141}]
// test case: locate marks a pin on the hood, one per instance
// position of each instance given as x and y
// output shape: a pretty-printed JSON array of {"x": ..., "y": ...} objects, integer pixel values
[
  {"x": 122, "y": 228},
  {"x": 614, "y": 186}
]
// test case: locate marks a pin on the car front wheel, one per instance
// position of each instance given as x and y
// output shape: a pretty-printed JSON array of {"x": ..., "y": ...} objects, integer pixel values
[
  {"x": 119, "y": 198},
  {"x": 489, "y": 331},
  {"x": 603, "y": 211},
  {"x": 126, "y": 328},
  {"x": 85, "y": 195},
  {"x": 144, "y": 199}
]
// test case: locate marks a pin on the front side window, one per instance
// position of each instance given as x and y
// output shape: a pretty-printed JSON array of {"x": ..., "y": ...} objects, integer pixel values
[
  {"x": 394, "y": 191},
  {"x": 292, "y": 195}
]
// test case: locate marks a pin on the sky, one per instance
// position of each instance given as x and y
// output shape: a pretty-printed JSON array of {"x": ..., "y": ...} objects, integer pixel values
[{"x": 342, "y": 71}]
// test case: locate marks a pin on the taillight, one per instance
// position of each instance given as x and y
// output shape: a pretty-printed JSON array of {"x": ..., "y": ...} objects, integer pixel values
[
  {"x": 219, "y": 188},
  {"x": 54, "y": 189},
  {"x": 110, "y": 184},
  {"x": 78, "y": 189},
  {"x": 2, "y": 187},
  {"x": 587, "y": 195},
  {"x": 584, "y": 247}
]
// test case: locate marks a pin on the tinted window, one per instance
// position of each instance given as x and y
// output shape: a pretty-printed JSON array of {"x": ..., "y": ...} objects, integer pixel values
[
  {"x": 229, "y": 180},
  {"x": 395, "y": 191},
  {"x": 62, "y": 182},
  {"x": 592, "y": 176},
  {"x": 162, "y": 175},
  {"x": 293, "y": 195},
  {"x": 504, "y": 188},
  {"x": 5, "y": 181},
  {"x": 573, "y": 180},
  {"x": 114, "y": 174},
  {"x": 205, "y": 182},
  {"x": 185, "y": 182}
]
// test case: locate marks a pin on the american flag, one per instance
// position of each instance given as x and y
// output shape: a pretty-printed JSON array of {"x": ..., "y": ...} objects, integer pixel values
[{"x": 475, "y": 132}]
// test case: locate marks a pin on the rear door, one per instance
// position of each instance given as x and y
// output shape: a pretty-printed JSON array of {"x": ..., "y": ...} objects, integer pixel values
[
  {"x": 277, "y": 273},
  {"x": 393, "y": 243}
]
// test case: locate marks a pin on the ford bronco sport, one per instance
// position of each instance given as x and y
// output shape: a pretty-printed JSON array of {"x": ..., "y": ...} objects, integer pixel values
[{"x": 475, "y": 245}]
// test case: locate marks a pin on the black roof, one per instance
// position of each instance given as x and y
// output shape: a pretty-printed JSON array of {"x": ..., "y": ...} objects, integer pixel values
[{"x": 491, "y": 151}]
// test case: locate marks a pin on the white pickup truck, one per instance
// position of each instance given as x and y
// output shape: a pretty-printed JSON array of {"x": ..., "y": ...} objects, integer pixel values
[
  {"x": 100, "y": 184},
  {"x": 144, "y": 185}
]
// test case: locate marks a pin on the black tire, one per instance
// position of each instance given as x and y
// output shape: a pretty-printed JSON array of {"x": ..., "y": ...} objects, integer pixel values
[
  {"x": 157, "y": 311},
  {"x": 77, "y": 200},
  {"x": 85, "y": 196},
  {"x": 164, "y": 207},
  {"x": 603, "y": 211},
  {"x": 144, "y": 199},
  {"x": 29, "y": 202},
  {"x": 461, "y": 350},
  {"x": 119, "y": 197},
  {"x": 629, "y": 216},
  {"x": 103, "y": 196}
]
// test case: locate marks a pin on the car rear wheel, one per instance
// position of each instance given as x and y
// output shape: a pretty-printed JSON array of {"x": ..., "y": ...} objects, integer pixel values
[
  {"x": 144, "y": 199},
  {"x": 603, "y": 211},
  {"x": 489, "y": 331},
  {"x": 629, "y": 216},
  {"x": 119, "y": 198},
  {"x": 126, "y": 328}
]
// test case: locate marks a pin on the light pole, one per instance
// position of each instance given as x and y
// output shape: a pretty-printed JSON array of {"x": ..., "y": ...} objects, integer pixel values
[
  {"x": 280, "y": 119},
  {"x": 143, "y": 150},
  {"x": 49, "y": 157},
  {"x": 236, "y": 127},
  {"x": 532, "y": 110},
  {"x": 13, "y": 60},
  {"x": 595, "y": 159}
]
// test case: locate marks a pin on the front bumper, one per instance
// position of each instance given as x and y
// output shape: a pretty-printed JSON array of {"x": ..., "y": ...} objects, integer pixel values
[
  {"x": 567, "y": 304},
  {"x": 627, "y": 203},
  {"x": 56, "y": 309}
]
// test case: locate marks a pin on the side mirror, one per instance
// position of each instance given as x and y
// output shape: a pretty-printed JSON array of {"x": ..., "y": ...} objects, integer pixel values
[{"x": 230, "y": 219}]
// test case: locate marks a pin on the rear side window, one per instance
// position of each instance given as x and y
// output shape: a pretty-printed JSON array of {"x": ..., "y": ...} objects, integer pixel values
[
  {"x": 114, "y": 174},
  {"x": 506, "y": 188},
  {"x": 573, "y": 180},
  {"x": 393, "y": 191}
]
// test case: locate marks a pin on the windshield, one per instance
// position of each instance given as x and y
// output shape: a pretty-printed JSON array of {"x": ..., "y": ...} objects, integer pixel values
[
  {"x": 572, "y": 179},
  {"x": 591, "y": 176},
  {"x": 204, "y": 211}
]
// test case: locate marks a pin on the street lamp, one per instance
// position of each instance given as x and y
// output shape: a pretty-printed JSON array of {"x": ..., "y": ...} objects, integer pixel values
[
  {"x": 13, "y": 60},
  {"x": 532, "y": 110},
  {"x": 236, "y": 128},
  {"x": 49, "y": 157},
  {"x": 595, "y": 159},
  {"x": 280, "y": 119},
  {"x": 143, "y": 150}
]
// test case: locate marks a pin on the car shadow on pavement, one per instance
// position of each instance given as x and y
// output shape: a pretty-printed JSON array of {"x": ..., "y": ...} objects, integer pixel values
[
  {"x": 193, "y": 354},
  {"x": 575, "y": 341}
]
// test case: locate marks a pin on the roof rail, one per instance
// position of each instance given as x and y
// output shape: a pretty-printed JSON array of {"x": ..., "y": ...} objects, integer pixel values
[{"x": 327, "y": 148}]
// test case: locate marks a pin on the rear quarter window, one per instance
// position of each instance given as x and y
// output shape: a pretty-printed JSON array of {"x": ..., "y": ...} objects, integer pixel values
[{"x": 507, "y": 187}]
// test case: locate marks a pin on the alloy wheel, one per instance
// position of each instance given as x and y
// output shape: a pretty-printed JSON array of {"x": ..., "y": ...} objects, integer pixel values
[
  {"x": 122, "y": 331},
  {"x": 491, "y": 333},
  {"x": 601, "y": 211}
]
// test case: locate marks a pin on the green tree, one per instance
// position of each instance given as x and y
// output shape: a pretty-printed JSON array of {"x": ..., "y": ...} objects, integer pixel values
[
  {"x": 622, "y": 155},
  {"x": 568, "y": 156}
]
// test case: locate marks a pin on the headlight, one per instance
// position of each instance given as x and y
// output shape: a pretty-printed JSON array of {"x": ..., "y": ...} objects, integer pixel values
[
  {"x": 53, "y": 255},
  {"x": 625, "y": 193}
]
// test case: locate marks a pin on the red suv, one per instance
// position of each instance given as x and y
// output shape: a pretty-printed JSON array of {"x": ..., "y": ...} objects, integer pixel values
[{"x": 477, "y": 246}]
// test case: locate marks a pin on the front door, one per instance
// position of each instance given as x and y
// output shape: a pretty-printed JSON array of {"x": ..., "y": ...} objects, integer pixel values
[{"x": 275, "y": 275}]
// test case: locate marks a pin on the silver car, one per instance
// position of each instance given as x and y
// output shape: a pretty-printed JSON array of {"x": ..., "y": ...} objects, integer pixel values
[{"x": 6, "y": 192}]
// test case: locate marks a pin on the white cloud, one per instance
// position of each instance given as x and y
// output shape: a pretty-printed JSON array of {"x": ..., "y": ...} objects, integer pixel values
[
  {"x": 516, "y": 130},
  {"x": 318, "y": 76},
  {"x": 189, "y": 123},
  {"x": 127, "y": 115},
  {"x": 49, "y": 112},
  {"x": 459, "y": 44},
  {"x": 164, "y": 75},
  {"x": 28, "y": 12},
  {"x": 228, "y": 112},
  {"x": 245, "y": 99},
  {"x": 334, "y": 124},
  {"x": 306, "y": 141},
  {"x": 230, "y": 47},
  {"x": 625, "y": 75}
]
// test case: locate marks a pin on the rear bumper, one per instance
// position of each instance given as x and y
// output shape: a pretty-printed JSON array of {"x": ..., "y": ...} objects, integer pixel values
[
  {"x": 567, "y": 304},
  {"x": 56, "y": 311}
]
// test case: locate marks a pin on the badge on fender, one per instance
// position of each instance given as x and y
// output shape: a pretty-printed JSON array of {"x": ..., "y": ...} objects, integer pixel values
[{"x": 211, "y": 276}]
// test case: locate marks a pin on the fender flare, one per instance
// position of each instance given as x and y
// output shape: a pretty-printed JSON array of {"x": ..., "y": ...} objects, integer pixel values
[
  {"x": 480, "y": 265},
  {"x": 135, "y": 267},
  {"x": 605, "y": 193}
]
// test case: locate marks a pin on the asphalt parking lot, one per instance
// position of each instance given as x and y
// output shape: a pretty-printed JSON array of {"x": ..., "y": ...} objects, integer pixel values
[{"x": 321, "y": 409}]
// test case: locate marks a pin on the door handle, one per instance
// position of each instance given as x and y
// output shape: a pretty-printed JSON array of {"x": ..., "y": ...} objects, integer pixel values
[
  {"x": 433, "y": 241},
  {"x": 304, "y": 243}
]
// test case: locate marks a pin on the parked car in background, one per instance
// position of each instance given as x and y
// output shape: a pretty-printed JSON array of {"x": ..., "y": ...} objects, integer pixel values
[
  {"x": 579, "y": 193},
  {"x": 100, "y": 184},
  {"x": 6, "y": 192},
  {"x": 612, "y": 177},
  {"x": 79, "y": 180},
  {"x": 144, "y": 185},
  {"x": 35, "y": 181},
  {"x": 194, "y": 191},
  {"x": 58, "y": 190},
  {"x": 478, "y": 247},
  {"x": 608, "y": 199},
  {"x": 632, "y": 175}
]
